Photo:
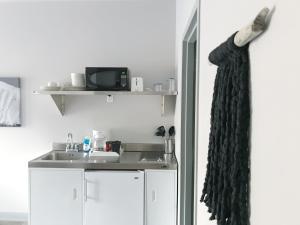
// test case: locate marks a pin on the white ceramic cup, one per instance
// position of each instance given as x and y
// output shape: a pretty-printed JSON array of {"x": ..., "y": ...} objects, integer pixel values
[
  {"x": 171, "y": 83},
  {"x": 78, "y": 79},
  {"x": 158, "y": 87},
  {"x": 52, "y": 84}
]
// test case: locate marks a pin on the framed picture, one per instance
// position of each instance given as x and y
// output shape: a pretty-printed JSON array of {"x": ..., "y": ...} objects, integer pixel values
[{"x": 10, "y": 102}]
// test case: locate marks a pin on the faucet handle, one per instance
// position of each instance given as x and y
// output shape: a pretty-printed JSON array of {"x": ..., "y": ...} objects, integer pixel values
[
  {"x": 68, "y": 147},
  {"x": 76, "y": 147}
]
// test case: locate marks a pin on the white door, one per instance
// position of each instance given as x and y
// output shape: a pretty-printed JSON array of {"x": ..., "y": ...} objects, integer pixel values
[
  {"x": 161, "y": 197},
  {"x": 56, "y": 196},
  {"x": 114, "y": 198}
]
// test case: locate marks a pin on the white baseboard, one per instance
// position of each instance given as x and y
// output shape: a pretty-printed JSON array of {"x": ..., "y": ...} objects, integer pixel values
[
  {"x": 12, "y": 223},
  {"x": 13, "y": 216}
]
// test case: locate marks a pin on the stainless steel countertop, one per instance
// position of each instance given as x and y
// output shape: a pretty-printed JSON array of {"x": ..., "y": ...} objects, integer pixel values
[{"x": 129, "y": 160}]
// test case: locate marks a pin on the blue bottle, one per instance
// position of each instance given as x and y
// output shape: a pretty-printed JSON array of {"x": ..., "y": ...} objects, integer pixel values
[{"x": 86, "y": 144}]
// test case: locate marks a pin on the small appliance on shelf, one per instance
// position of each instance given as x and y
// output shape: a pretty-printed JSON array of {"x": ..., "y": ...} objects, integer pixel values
[
  {"x": 137, "y": 84},
  {"x": 107, "y": 79}
]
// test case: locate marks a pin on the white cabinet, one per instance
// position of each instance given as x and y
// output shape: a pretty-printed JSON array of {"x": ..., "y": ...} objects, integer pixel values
[
  {"x": 78, "y": 197},
  {"x": 114, "y": 198},
  {"x": 161, "y": 197},
  {"x": 56, "y": 196}
]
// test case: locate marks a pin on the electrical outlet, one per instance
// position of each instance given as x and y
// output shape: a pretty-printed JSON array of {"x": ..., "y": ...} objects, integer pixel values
[{"x": 109, "y": 99}]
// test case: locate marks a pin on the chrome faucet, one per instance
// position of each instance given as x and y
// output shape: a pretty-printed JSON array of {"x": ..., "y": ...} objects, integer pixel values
[{"x": 70, "y": 145}]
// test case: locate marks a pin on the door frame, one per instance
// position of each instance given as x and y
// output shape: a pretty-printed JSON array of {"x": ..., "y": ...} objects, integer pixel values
[{"x": 190, "y": 64}]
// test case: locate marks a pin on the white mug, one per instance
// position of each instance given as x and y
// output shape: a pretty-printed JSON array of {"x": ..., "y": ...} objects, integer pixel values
[
  {"x": 78, "y": 79},
  {"x": 171, "y": 82},
  {"x": 158, "y": 87},
  {"x": 52, "y": 84}
]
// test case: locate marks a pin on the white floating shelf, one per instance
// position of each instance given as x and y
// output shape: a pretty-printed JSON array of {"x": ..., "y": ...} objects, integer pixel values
[{"x": 59, "y": 96}]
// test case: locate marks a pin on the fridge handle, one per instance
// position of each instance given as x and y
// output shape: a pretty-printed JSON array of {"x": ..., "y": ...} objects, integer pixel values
[
  {"x": 85, "y": 189},
  {"x": 153, "y": 195},
  {"x": 74, "y": 194}
]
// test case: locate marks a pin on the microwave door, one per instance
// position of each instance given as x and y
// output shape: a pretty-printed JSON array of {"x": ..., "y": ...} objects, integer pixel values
[
  {"x": 106, "y": 80},
  {"x": 92, "y": 81}
]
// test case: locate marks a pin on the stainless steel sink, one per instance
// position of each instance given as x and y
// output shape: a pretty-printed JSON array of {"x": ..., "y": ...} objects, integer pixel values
[
  {"x": 65, "y": 156},
  {"x": 152, "y": 157},
  {"x": 76, "y": 157},
  {"x": 127, "y": 160}
]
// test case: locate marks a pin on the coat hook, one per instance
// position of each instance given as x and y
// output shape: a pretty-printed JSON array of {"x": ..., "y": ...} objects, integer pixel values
[{"x": 254, "y": 29}]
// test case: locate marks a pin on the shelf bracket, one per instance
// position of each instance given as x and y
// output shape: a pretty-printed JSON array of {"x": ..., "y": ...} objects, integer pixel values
[
  {"x": 162, "y": 105},
  {"x": 167, "y": 104},
  {"x": 59, "y": 101}
]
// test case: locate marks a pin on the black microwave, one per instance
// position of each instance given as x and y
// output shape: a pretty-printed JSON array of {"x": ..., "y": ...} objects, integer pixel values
[{"x": 107, "y": 78}]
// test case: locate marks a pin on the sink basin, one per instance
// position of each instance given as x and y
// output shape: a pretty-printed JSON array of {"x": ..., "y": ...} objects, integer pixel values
[
  {"x": 65, "y": 156},
  {"x": 60, "y": 156},
  {"x": 152, "y": 157}
]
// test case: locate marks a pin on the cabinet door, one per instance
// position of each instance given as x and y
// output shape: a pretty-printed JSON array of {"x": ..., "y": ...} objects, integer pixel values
[
  {"x": 114, "y": 198},
  {"x": 161, "y": 197},
  {"x": 56, "y": 196}
]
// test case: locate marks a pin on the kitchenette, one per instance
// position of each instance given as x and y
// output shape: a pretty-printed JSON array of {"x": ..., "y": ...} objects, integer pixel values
[
  {"x": 99, "y": 180},
  {"x": 75, "y": 188}
]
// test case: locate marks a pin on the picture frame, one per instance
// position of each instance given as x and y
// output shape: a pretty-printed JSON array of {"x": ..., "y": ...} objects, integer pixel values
[{"x": 10, "y": 102}]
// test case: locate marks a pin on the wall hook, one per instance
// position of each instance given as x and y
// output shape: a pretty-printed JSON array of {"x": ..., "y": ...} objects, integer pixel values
[{"x": 255, "y": 28}]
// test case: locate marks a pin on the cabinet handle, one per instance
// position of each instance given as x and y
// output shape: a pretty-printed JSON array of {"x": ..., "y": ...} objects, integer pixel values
[
  {"x": 153, "y": 195},
  {"x": 85, "y": 190},
  {"x": 74, "y": 193}
]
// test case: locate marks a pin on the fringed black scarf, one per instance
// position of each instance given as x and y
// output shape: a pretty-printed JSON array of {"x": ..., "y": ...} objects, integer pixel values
[{"x": 226, "y": 187}]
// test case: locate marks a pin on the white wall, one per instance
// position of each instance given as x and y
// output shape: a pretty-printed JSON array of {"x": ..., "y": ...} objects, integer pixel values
[
  {"x": 47, "y": 41},
  {"x": 275, "y": 182}
]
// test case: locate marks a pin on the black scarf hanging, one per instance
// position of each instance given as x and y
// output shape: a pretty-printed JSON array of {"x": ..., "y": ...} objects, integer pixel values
[{"x": 226, "y": 187}]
